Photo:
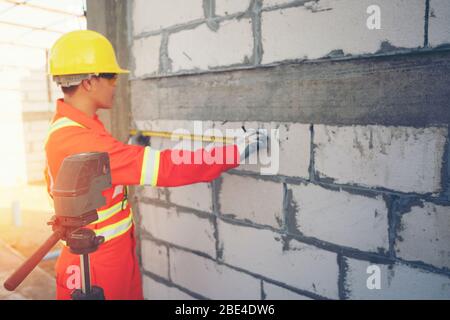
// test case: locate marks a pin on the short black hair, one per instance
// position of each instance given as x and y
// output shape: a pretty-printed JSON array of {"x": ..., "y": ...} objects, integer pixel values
[{"x": 69, "y": 90}]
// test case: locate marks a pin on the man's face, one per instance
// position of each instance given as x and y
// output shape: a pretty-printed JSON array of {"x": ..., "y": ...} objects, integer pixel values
[{"x": 104, "y": 91}]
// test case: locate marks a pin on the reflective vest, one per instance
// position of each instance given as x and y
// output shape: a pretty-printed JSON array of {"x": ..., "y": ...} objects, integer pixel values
[
  {"x": 114, "y": 220},
  {"x": 115, "y": 266},
  {"x": 130, "y": 164}
]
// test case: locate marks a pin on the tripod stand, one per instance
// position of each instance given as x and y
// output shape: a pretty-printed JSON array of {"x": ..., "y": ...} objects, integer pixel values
[
  {"x": 81, "y": 241},
  {"x": 77, "y": 194}
]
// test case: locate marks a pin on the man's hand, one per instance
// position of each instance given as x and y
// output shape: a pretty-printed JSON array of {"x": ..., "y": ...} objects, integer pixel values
[
  {"x": 250, "y": 141},
  {"x": 139, "y": 139}
]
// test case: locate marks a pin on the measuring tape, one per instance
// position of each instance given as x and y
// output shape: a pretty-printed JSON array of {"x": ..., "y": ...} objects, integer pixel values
[{"x": 170, "y": 135}]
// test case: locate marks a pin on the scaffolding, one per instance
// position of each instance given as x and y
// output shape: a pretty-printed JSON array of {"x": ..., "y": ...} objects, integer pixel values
[{"x": 25, "y": 22}]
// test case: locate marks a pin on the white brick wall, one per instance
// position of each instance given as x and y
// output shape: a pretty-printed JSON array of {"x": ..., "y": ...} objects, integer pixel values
[
  {"x": 210, "y": 279},
  {"x": 155, "y": 258},
  {"x": 40, "y": 125},
  {"x": 424, "y": 235},
  {"x": 196, "y": 127},
  {"x": 160, "y": 143},
  {"x": 193, "y": 126},
  {"x": 37, "y": 146},
  {"x": 154, "y": 290},
  {"x": 38, "y": 96},
  {"x": 439, "y": 23},
  {"x": 399, "y": 158},
  {"x": 146, "y": 55},
  {"x": 177, "y": 127},
  {"x": 151, "y": 15},
  {"x": 288, "y": 154},
  {"x": 341, "y": 218},
  {"x": 252, "y": 199},
  {"x": 37, "y": 106},
  {"x": 196, "y": 196},
  {"x": 36, "y": 136},
  {"x": 201, "y": 48},
  {"x": 234, "y": 128},
  {"x": 274, "y": 292},
  {"x": 35, "y": 85},
  {"x": 261, "y": 251},
  {"x": 35, "y": 176},
  {"x": 400, "y": 282},
  {"x": 56, "y": 91},
  {"x": 404, "y": 159},
  {"x": 342, "y": 27},
  {"x": 295, "y": 141},
  {"x": 35, "y": 99},
  {"x": 183, "y": 229},
  {"x": 38, "y": 157},
  {"x": 151, "y": 192},
  {"x": 228, "y": 7},
  {"x": 36, "y": 167},
  {"x": 271, "y": 3}
]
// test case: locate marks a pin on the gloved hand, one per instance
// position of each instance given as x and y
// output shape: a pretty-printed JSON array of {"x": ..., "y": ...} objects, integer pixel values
[
  {"x": 139, "y": 139},
  {"x": 250, "y": 141}
]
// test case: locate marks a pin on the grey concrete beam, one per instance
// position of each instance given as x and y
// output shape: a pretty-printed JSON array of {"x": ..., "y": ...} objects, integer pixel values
[{"x": 410, "y": 89}]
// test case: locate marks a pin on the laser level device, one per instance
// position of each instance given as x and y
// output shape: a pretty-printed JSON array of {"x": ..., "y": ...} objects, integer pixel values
[{"x": 77, "y": 194}]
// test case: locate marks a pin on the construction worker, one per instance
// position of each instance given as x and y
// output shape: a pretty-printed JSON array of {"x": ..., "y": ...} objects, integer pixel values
[{"x": 84, "y": 64}]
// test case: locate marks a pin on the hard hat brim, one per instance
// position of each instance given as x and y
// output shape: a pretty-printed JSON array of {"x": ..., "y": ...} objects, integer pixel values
[
  {"x": 123, "y": 71},
  {"x": 118, "y": 71}
]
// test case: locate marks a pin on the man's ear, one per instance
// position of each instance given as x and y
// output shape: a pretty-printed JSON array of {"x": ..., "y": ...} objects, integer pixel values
[{"x": 87, "y": 84}]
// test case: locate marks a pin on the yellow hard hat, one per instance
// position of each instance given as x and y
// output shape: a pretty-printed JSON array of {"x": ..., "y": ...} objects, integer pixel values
[{"x": 83, "y": 52}]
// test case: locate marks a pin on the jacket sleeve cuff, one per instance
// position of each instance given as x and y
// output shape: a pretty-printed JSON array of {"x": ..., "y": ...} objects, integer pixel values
[{"x": 150, "y": 167}]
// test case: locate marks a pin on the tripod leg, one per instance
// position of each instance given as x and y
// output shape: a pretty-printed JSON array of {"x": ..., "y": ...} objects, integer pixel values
[
  {"x": 85, "y": 274},
  {"x": 24, "y": 270},
  {"x": 82, "y": 242},
  {"x": 87, "y": 292}
]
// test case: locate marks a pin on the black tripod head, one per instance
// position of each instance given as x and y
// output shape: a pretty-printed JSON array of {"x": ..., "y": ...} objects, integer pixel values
[{"x": 77, "y": 194}]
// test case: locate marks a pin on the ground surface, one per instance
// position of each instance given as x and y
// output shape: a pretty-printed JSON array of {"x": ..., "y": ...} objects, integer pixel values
[{"x": 19, "y": 238}]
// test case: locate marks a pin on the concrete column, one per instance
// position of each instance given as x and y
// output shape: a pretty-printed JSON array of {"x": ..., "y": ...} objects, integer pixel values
[{"x": 110, "y": 19}]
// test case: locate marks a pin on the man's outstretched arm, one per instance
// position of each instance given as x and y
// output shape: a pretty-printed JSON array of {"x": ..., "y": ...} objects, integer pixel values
[
  {"x": 138, "y": 165},
  {"x": 173, "y": 167}
]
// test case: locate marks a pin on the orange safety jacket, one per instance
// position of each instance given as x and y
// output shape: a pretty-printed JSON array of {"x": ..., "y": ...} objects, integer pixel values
[{"x": 114, "y": 266}]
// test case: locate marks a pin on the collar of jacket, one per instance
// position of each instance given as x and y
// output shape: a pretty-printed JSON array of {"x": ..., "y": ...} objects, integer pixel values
[{"x": 64, "y": 109}]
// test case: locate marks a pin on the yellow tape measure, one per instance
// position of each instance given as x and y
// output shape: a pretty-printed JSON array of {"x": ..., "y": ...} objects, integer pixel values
[{"x": 176, "y": 136}]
